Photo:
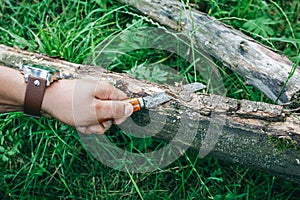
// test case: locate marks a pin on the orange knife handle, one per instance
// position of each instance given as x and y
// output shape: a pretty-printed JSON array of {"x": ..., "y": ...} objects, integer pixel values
[{"x": 135, "y": 103}]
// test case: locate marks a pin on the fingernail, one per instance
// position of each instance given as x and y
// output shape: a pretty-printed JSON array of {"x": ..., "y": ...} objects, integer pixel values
[
  {"x": 128, "y": 110},
  {"x": 107, "y": 124}
]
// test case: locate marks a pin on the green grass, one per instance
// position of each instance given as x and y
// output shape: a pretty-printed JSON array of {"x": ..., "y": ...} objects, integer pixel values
[{"x": 45, "y": 158}]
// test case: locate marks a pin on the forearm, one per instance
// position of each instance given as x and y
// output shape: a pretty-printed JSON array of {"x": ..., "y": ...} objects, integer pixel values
[{"x": 12, "y": 90}]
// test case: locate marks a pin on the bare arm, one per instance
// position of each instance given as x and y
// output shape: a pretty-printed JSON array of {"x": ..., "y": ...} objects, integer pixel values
[
  {"x": 12, "y": 90},
  {"x": 79, "y": 103}
]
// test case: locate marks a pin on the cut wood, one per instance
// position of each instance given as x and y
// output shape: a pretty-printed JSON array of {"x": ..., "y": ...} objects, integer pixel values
[
  {"x": 260, "y": 66},
  {"x": 259, "y": 135}
]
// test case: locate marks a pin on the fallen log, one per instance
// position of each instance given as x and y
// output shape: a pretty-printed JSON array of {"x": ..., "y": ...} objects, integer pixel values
[
  {"x": 260, "y": 66},
  {"x": 259, "y": 135}
]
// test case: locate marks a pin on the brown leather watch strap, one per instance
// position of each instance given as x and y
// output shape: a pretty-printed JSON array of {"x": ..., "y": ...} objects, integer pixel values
[{"x": 34, "y": 96}]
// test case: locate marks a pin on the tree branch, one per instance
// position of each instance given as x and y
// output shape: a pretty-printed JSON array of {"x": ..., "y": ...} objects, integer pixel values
[
  {"x": 260, "y": 66},
  {"x": 232, "y": 130}
]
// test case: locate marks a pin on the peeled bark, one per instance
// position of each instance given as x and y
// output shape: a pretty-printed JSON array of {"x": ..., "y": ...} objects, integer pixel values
[
  {"x": 259, "y": 135},
  {"x": 260, "y": 66}
]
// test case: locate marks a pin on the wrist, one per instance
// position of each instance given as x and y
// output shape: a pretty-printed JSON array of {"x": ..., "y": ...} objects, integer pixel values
[
  {"x": 51, "y": 97},
  {"x": 12, "y": 90},
  {"x": 37, "y": 78}
]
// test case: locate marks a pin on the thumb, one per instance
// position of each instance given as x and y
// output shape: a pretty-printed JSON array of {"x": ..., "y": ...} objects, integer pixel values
[{"x": 113, "y": 109}]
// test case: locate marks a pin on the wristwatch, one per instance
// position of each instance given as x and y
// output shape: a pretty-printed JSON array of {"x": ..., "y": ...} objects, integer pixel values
[{"x": 37, "y": 78}]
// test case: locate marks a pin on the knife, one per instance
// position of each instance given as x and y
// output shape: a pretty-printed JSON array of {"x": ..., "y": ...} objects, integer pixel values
[
  {"x": 160, "y": 98},
  {"x": 152, "y": 101}
]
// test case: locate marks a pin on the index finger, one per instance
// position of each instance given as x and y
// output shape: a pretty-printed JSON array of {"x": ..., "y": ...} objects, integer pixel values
[{"x": 106, "y": 91}]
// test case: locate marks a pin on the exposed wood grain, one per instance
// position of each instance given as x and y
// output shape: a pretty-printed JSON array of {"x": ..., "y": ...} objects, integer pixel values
[
  {"x": 260, "y": 66},
  {"x": 248, "y": 126}
]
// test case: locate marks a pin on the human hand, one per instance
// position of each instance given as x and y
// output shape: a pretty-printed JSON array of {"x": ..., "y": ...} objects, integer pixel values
[{"x": 83, "y": 103}]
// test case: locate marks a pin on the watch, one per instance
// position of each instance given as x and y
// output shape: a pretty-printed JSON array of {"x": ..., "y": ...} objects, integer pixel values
[{"x": 37, "y": 77}]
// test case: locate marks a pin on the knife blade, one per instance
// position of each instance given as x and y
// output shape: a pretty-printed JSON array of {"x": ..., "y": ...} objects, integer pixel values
[
  {"x": 160, "y": 98},
  {"x": 152, "y": 101},
  {"x": 149, "y": 101}
]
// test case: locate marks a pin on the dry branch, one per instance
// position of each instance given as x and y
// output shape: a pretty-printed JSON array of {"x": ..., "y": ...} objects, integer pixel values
[
  {"x": 248, "y": 126},
  {"x": 260, "y": 66}
]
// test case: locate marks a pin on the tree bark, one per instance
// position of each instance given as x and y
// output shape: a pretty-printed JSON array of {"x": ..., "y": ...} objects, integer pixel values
[
  {"x": 259, "y": 135},
  {"x": 260, "y": 66}
]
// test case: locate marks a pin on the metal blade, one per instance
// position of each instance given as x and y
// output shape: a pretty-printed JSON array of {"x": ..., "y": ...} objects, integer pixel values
[
  {"x": 160, "y": 98},
  {"x": 155, "y": 100},
  {"x": 193, "y": 87}
]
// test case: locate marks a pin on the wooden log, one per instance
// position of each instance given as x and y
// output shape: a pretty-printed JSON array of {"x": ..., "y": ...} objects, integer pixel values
[
  {"x": 259, "y": 135},
  {"x": 260, "y": 66}
]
